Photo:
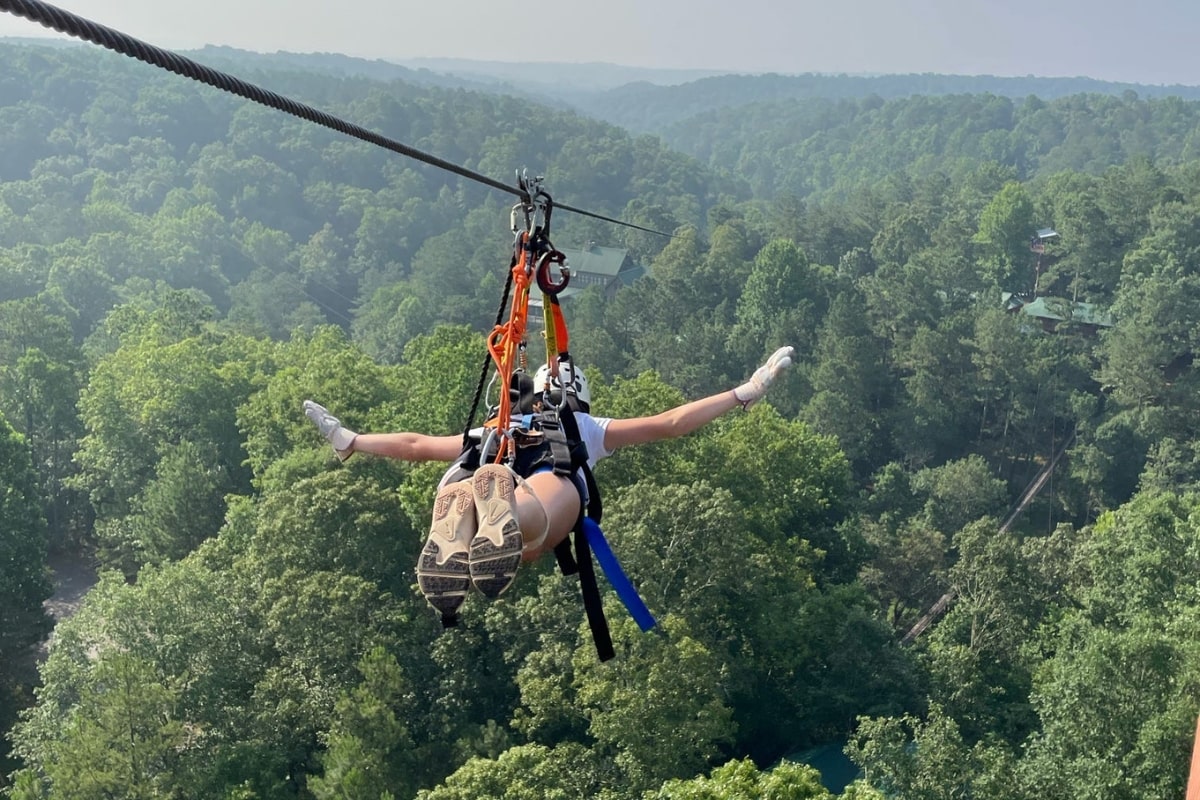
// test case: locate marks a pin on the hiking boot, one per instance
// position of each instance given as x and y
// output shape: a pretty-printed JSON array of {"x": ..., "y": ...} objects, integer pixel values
[
  {"x": 331, "y": 428},
  {"x": 496, "y": 548},
  {"x": 442, "y": 570}
]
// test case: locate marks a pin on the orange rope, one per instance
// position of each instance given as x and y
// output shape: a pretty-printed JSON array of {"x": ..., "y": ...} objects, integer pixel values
[
  {"x": 506, "y": 344},
  {"x": 505, "y": 341}
]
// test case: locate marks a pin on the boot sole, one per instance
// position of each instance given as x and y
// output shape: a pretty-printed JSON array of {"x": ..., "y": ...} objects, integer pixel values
[
  {"x": 444, "y": 579},
  {"x": 497, "y": 546}
]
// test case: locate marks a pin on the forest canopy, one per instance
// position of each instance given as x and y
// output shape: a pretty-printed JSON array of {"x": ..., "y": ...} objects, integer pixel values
[{"x": 985, "y": 296}]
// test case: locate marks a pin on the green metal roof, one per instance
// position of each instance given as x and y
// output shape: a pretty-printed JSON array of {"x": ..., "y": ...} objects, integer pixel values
[
  {"x": 598, "y": 260},
  {"x": 1059, "y": 309}
]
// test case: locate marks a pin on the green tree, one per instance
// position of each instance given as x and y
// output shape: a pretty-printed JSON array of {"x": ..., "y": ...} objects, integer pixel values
[
  {"x": 186, "y": 642},
  {"x": 181, "y": 505},
  {"x": 901, "y": 239},
  {"x": 370, "y": 752},
  {"x": 1084, "y": 261},
  {"x": 123, "y": 737},
  {"x": 24, "y": 583},
  {"x": 526, "y": 772},
  {"x": 783, "y": 302},
  {"x": 906, "y": 570},
  {"x": 1138, "y": 558},
  {"x": 659, "y": 708},
  {"x": 761, "y": 454},
  {"x": 1005, "y": 227},
  {"x": 643, "y": 395},
  {"x": 934, "y": 413},
  {"x": 851, "y": 391},
  {"x": 958, "y": 493},
  {"x": 1112, "y": 716},
  {"x": 980, "y": 672},
  {"x": 1146, "y": 357},
  {"x": 685, "y": 562},
  {"x": 670, "y": 319},
  {"x": 39, "y": 382},
  {"x": 927, "y": 759},
  {"x": 155, "y": 392},
  {"x": 742, "y": 780},
  {"x": 340, "y": 521}
]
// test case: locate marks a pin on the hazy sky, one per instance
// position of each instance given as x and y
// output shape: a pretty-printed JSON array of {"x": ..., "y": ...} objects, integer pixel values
[{"x": 1150, "y": 41}]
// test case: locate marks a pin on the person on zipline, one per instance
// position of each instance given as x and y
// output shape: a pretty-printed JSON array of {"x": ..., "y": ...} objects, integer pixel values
[{"x": 486, "y": 521}]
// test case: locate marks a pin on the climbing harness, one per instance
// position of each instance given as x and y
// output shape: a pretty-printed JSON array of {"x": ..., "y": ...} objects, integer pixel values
[{"x": 553, "y": 427}]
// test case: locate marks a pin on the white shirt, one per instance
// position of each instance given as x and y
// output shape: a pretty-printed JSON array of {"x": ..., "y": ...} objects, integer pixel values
[{"x": 591, "y": 432}]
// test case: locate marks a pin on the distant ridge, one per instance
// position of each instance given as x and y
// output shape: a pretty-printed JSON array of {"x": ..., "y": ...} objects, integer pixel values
[
  {"x": 41, "y": 41},
  {"x": 328, "y": 63},
  {"x": 590, "y": 76},
  {"x": 628, "y": 105},
  {"x": 644, "y": 100}
]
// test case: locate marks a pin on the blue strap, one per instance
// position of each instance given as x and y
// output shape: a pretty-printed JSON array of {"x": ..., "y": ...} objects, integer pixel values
[{"x": 616, "y": 576}]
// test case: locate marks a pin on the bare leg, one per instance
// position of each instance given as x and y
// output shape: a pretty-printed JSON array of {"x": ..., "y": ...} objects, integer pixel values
[{"x": 556, "y": 498}]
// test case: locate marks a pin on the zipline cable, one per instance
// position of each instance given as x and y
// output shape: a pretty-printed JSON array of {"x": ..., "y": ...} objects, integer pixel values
[{"x": 63, "y": 21}]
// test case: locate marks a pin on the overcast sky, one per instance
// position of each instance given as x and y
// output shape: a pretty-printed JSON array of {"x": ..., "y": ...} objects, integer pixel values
[{"x": 1150, "y": 41}]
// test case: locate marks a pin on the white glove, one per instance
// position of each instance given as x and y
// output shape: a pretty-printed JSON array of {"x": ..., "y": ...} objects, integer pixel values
[
  {"x": 752, "y": 390},
  {"x": 331, "y": 428}
]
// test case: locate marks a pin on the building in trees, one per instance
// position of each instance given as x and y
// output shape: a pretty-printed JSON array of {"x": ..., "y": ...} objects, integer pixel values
[
  {"x": 595, "y": 265},
  {"x": 610, "y": 268},
  {"x": 1051, "y": 312}
]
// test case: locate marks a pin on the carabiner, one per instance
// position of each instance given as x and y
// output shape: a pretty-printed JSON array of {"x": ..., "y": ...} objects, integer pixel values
[
  {"x": 501, "y": 451},
  {"x": 562, "y": 382},
  {"x": 519, "y": 211},
  {"x": 544, "y": 282}
]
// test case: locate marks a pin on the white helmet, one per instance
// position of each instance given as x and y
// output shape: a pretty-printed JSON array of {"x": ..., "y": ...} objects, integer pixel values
[{"x": 577, "y": 385}]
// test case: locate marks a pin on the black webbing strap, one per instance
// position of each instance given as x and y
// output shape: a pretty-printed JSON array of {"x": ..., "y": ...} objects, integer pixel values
[
  {"x": 565, "y": 427},
  {"x": 566, "y": 559},
  {"x": 591, "y": 597},
  {"x": 553, "y": 428},
  {"x": 581, "y": 562}
]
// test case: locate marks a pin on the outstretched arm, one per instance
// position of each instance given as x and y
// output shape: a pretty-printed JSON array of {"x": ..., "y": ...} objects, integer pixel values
[
  {"x": 408, "y": 446},
  {"x": 404, "y": 446},
  {"x": 678, "y": 421},
  {"x": 684, "y": 419}
]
